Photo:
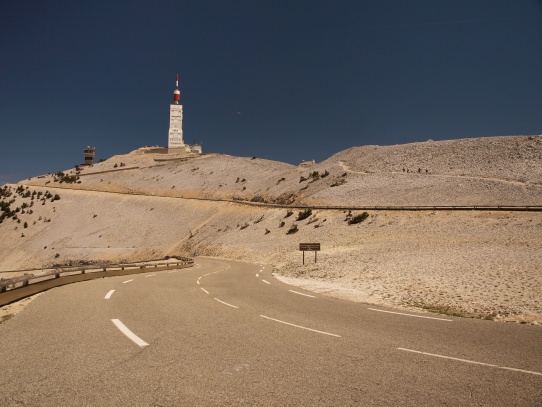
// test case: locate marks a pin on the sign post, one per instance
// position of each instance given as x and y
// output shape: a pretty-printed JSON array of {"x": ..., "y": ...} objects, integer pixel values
[{"x": 310, "y": 247}]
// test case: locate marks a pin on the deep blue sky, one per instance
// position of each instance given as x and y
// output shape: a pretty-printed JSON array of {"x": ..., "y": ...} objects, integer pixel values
[{"x": 280, "y": 79}]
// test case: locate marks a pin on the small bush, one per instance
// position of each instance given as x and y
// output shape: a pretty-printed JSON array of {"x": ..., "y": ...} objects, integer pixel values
[
  {"x": 338, "y": 182},
  {"x": 325, "y": 174},
  {"x": 293, "y": 229},
  {"x": 267, "y": 231},
  {"x": 288, "y": 214},
  {"x": 358, "y": 218},
  {"x": 304, "y": 214},
  {"x": 56, "y": 197},
  {"x": 281, "y": 224},
  {"x": 302, "y": 178},
  {"x": 244, "y": 226}
]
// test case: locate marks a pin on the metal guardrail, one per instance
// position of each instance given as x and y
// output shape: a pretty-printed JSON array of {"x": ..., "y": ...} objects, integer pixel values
[{"x": 17, "y": 288}]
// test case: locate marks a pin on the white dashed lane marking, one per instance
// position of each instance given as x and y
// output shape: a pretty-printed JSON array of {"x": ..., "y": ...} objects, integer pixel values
[
  {"x": 410, "y": 315},
  {"x": 109, "y": 294},
  {"x": 471, "y": 361},
  {"x": 127, "y": 281},
  {"x": 301, "y": 327},
  {"x": 132, "y": 336},
  {"x": 204, "y": 290},
  {"x": 225, "y": 303},
  {"x": 150, "y": 275},
  {"x": 306, "y": 295},
  {"x": 266, "y": 282}
]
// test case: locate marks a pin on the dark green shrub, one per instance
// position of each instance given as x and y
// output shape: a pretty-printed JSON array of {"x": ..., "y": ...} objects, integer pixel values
[
  {"x": 293, "y": 229},
  {"x": 358, "y": 218},
  {"x": 304, "y": 214}
]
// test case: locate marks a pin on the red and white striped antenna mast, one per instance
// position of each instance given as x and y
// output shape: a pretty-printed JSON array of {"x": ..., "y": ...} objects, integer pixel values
[{"x": 176, "y": 92}]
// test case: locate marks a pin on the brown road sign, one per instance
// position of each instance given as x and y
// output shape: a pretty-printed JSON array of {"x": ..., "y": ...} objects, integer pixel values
[{"x": 309, "y": 246}]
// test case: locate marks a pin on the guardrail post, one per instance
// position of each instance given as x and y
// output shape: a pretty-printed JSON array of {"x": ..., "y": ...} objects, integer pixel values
[
  {"x": 3, "y": 289},
  {"x": 104, "y": 269}
]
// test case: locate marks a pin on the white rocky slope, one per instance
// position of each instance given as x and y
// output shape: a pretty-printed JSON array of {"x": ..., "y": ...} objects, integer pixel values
[{"x": 471, "y": 263}]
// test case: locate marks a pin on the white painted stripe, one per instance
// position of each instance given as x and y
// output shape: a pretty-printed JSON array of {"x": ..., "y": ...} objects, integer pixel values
[
  {"x": 265, "y": 281},
  {"x": 204, "y": 290},
  {"x": 109, "y": 294},
  {"x": 150, "y": 275},
  {"x": 302, "y": 327},
  {"x": 471, "y": 361},
  {"x": 261, "y": 270},
  {"x": 127, "y": 281},
  {"x": 306, "y": 295},
  {"x": 129, "y": 333},
  {"x": 225, "y": 303},
  {"x": 197, "y": 282},
  {"x": 205, "y": 275},
  {"x": 257, "y": 275},
  {"x": 410, "y": 315},
  {"x": 173, "y": 271}
]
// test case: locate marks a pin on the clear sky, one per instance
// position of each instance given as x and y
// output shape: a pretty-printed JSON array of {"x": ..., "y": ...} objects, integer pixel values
[{"x": 279, "y": 79}]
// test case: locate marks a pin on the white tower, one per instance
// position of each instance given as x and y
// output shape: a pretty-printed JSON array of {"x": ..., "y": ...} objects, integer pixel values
[{"x": 175, "y": 139}]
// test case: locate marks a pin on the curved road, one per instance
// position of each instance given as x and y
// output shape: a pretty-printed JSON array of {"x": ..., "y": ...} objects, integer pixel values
[{"x": 227, "y": 333}]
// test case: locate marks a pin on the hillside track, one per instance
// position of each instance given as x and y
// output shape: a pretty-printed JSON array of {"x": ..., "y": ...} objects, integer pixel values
[
  {"x": 229, "y": 333},
  {"x": 513, "y": 208}
]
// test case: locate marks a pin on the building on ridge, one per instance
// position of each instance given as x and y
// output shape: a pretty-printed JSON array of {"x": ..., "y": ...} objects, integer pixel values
[
  {"x": 175, "y": 139},
  {"x": 88, "y": 153},
  {"x": 175, "y": 135}
]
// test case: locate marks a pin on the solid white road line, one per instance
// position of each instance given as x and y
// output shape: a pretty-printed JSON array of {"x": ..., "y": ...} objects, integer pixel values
[
  {"x": 150, "y": 275},
  {"x": 129, "y": 333},
  {"x": 306, "y": 295},
  {"x": 204, "y": 290},
  {"x": 471, "y": 361},
  {"x": 127, "y": 281},
  {"x": 302, "y": 327},
  {"x": 225, "y": 303},
  {"x": 109, "y": 294},
  {"x": 265, "y": 281},
  {"x": 410, "y": 315}
]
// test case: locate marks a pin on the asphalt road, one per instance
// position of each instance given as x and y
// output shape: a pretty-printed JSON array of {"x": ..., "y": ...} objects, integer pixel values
[{"x": 228, "y": 333}]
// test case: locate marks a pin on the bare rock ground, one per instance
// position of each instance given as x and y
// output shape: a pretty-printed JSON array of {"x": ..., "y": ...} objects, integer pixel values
[{"x": 148, "y": 205}]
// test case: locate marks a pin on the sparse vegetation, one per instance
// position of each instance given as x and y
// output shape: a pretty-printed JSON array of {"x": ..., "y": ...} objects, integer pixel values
[
  {"x": 5, "y": 318},
  {"x": 338, "y": 182},
  {"x": 288, "y": 214},
  {"x": 304, "y": 214},
  {"x": 357, "y": 219},
  {"x": 293, "y": 229},
  {"x": 61, "y": 177},
  {"x": 281, "y": 224}
]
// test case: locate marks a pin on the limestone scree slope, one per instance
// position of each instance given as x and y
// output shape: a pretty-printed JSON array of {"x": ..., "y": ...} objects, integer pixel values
[{"x": 148, "y": 205}]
